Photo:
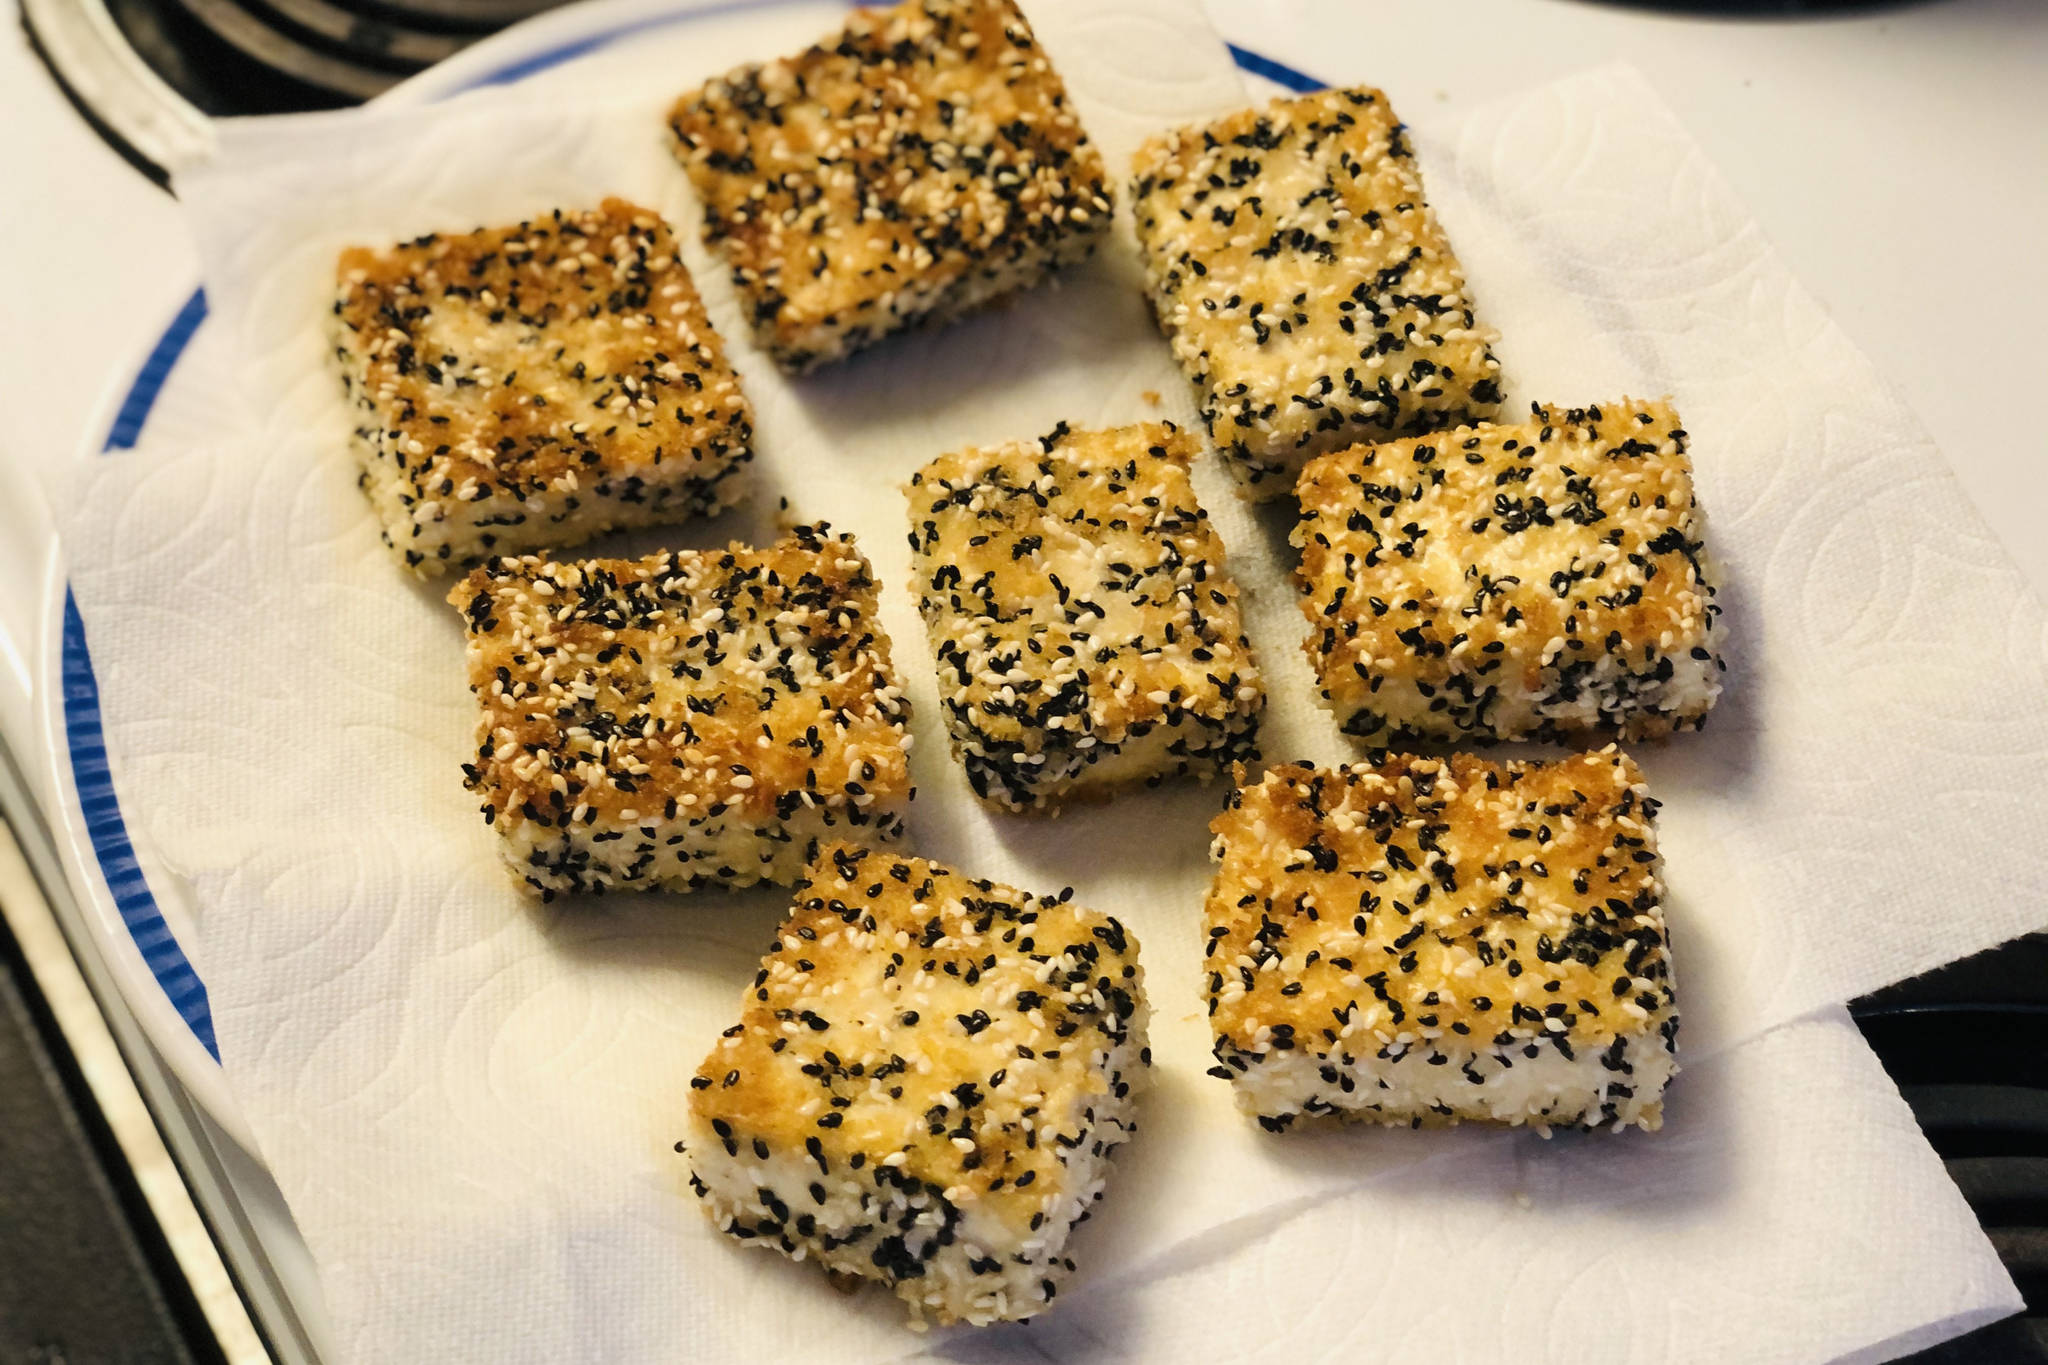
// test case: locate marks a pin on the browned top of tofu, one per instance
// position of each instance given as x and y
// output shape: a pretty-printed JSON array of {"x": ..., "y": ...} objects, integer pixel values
[
  {"x": 1425, "y": 896},
  {"x": 689, "y": 683},
  {"x": 1514, "y": 547},
  {"x": 1303, "y": 278},
  {"x": 919, "y": 144},
  {"x": 913, "y": 1017},
  {"x": 1083, "y": 559},
  {"x": 537, "y": 358}
]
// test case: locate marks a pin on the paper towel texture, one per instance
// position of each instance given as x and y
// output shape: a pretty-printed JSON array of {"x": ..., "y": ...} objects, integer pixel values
[
  {"x": 469, "y": 1099},
  {"x": 1787, "y": 1214}
]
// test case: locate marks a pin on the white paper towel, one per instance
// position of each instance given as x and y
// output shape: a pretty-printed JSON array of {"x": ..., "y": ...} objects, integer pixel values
[
  {"x": 469, "y": 1099},
  {"x": 1789, "y": 1212}
]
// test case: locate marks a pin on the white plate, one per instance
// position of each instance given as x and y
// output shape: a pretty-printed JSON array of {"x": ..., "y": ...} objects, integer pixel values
[{"x": 137, "y": 913}]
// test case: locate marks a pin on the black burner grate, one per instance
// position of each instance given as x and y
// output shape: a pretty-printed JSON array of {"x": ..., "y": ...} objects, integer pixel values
[
  {"x": 137, "y": 67},
  {"x": 1968, "y": 1046},
  {"x": 276, "y": 56}
]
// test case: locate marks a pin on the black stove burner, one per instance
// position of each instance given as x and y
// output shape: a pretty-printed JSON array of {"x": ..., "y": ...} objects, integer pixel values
[
  {"x": 270, "y": 56},
  {"x": 137, "y": 67},
  {"x": 1968, "y": 1045}
]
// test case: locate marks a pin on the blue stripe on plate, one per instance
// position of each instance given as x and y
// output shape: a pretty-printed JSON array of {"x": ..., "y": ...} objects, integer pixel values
[
  {"x": 110, "y": 843},
  {"x": 155, "y": 370},
  {"x": 1277, "y": 72},
  {"x": 96, "y": 799}
]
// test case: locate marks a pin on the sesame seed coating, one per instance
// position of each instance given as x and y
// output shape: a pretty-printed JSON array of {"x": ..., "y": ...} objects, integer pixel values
[
  {"x": 910, "y": 168},
  {"x": 1430, "y": 940},
  {"x": 530, "y": 387},
  {"x": 1530, "y": 581},
  {"x": 925, "y": 1084},
  {"x": 692, "y": 718},
  {"x": 1305, "y": 284},
  {"x": 1086, "y": 632}
]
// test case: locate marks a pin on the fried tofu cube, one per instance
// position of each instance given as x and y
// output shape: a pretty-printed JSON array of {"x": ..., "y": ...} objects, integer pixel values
[
  {"x": 1431, "y": 940},
  {"x": 1086, "y": 632},
  {"x": 529, "y": 387},
  {"x": 1541, "y": 580},
  {"x": 910, "y": 168},
  {"x": 925, "y": 1085},
  {"x": 692, "y": 718},
  {"x": 1306, "y": 285}
]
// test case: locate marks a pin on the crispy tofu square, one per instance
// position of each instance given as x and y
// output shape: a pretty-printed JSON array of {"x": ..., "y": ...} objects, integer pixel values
[
  {"x": 1432, "y": 940},
  {"x": 925, "y": 1085},
  {"x": 1306, "y": 286},
  {"x": 529, "y": 387},
  {"x": 1087, "y": 634},
  {"x": 1539, "y": 580},
  {"x": 688, "y": 719},
  {"x": 910, "y": 168}
]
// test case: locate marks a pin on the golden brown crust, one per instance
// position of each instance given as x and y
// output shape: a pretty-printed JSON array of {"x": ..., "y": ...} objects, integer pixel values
[
  {"x": 912, "y": 1017},
  {"x": 508, "y": 376},
  {"x": 1424, "y": 897},
  {"x": 1532, "y": 580},
  {"x": 1077, "y": 603},
  {"x": 1305, "y": 283},
  {"x": 913, "y": 164},
  {"x": 738, "y": 686}
]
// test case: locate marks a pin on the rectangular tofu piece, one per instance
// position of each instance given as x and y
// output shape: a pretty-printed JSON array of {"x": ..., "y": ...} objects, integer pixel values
[
  {"x": 1086, "y": 632},
  {"x": 1433, "y": 940},
  {"x": 1305, "y": 284},
  {"x": 925, "y": 1085},
  {"x": 1540, "y": 580},
  {"x": 910, "y": 168},
  {"x": 689, "y": 719},
  {"x": 530, "y": 387}
]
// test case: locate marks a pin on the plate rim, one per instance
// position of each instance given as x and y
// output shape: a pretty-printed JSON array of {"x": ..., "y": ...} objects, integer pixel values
[{"x": 157, "y": 979}]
